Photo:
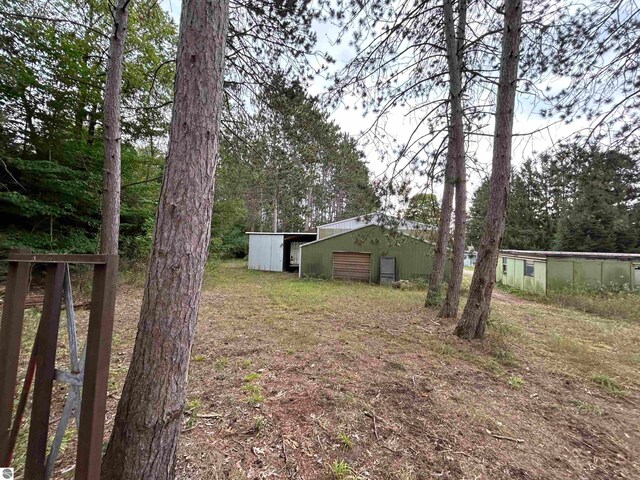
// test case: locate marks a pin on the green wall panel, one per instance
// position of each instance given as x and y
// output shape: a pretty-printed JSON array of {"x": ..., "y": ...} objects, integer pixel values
[
  {"x": 559, "y": 273},
  {"x": 414, "y": 258},
  {"x": 616, "y": 272},
  {"x": 587, "y": 273},
  {"x": 540, "y": 276},
  {"x": 563, "y": 273}
]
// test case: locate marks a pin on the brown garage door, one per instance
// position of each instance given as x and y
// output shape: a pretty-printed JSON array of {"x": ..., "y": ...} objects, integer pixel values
[{"x": 352, "y": 266}]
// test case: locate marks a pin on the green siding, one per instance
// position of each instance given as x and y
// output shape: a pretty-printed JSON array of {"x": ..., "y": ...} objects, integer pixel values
[
  {"x": 616, "y": 272},
  {"x": 587, "y": 273},
  {"x": 515, "y": 275},
  {"x": 581, "y": 272},
  {"x": 562, "y": 273},
  {"x": 540, "y": 277},
  {"x": 413, "y": 257},
  {"x": 559, "y": 273}
]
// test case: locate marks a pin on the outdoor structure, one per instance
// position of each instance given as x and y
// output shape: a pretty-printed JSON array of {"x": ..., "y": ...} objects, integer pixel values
[
  {"x": 86, "y": 379},
  {"x": 376, "y": 218},
  {"x": 470, "y": 257},
  {"x": 542, "y": 272},
  {"x": 370, "y": 253},
  {"x": 276, "y": 252}
]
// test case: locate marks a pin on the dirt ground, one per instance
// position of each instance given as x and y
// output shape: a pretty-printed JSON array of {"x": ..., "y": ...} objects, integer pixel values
[{"x": 307, "y": 379}]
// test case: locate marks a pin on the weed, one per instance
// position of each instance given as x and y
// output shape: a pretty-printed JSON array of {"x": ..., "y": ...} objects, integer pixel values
[
  {"x": 221, "y": 363},
  {"x": 255, "y": 398},
  {"x": 345, "y": 440},
  {"x": 607, "y": 383},
  {"x": 406, "y": 473},
  {"x": 289, "y": 351},
  {"x": 246, "y": 363},
  {"x": 254, "y": 393},
  {"x": 250, "y": 388},
  {"x": 191, "y": 408},
  {"x": 504, "y": 356},
  {"x": 515, "y": 382},
  {"x": 587, "y": 408},
  {"x": 251, "y": 377},
  {"x": 199, "y": 358},
  {"x": 260, "y": 424},
  {"x": 341, "y": 470},
  {"x": 502, "y": 328}
]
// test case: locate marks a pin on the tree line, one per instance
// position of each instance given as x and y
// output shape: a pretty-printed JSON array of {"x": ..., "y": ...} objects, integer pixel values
[
  {"x": 571, "y": 198},
  {"x": 64, "y": 138}
]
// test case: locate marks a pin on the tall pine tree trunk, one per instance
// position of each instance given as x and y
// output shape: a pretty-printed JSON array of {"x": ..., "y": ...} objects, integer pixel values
[
  {"x": 145, "y": 434},
  {"x": 111, "y": 169},
  {"x": 442, "y": 238},
  {"x": 455, "y": 49},
  {"x": 474, "y": 318}
]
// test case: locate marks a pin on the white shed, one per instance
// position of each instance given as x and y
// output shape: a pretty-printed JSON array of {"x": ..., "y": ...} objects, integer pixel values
[{"x": 276, "y": 252}]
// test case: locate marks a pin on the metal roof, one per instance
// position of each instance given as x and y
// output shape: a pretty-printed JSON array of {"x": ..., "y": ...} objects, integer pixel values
[
  {"x": 280, "y": 233},
  {"x": 360, "y": 228},
  {"x": 375, "y": 218},
  {"x": 594, "y": 255}
]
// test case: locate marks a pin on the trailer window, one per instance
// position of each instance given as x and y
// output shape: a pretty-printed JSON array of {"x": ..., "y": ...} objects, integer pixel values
[
  {"x": 528, "y": 268},
  {"x": 504, "y": 265}
]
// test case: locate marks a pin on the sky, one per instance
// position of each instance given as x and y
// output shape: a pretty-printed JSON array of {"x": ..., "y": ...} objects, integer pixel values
[{"x": 527, "y": 119}]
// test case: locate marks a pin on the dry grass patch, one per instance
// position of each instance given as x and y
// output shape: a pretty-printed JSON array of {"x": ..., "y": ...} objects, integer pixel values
[{"x": 314, "y": 379}]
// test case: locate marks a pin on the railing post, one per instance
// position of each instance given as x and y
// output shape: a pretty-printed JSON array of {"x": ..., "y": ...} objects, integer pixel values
[
  {"x": 10, "y": 337},
  {"x": 96, "y": 370},
  {"x": 45, "y": 372}
]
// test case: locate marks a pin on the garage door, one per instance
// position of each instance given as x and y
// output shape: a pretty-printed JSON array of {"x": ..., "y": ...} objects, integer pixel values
[{"x": 352, "y": 266}]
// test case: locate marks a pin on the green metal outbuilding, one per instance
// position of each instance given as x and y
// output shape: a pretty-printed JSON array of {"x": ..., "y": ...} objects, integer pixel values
[
  {"x": 371, "y": 253},
  {"x": 542, "y": 272}
]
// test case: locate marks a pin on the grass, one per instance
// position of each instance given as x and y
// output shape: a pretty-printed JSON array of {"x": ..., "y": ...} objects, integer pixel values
[
  {"x": 293, "y": 366},
  {"x": 515, "y": 382},
  {"x": 251, "y": 377},
  {"x": 619, "y": 305},
  {"x": 608, "y": 383},
  {"x": 345, "y": 440},
  {"x": 341, "y": 470}
]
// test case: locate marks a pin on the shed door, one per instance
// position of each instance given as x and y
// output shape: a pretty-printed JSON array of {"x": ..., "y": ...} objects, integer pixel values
[
  {"x": 387, "y": 270},
  {"x": 352, "y": 266}
]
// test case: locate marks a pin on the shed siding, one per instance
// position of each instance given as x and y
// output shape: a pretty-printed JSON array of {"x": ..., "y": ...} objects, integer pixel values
[
  {"x": 616, "y": 272},
  {"x": 266, "y": 252},
  {"x": 413, "y": 256},
  {"x": 580, "y": 272},
  {"x": 587, "y": 273},
  {"x": 565, "y": 272},
  {"x": 327, "y": 232},
  {"x": 559, "y": 273},
  {"x": 516, "y": 278},
  {"x": 540, "y": 277}
]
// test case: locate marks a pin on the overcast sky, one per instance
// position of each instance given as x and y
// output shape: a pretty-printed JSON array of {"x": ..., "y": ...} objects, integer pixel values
[{"x": 398, "y": 123}]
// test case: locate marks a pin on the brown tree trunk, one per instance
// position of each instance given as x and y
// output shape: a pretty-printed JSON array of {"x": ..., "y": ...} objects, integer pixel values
[
  {"x": 91, "y": 129},
  {"x": 455, "y": 48},
  {"x": 442, "y": 236},
  {"x": 111, "y": 169},
  {"x": 145, "y": 434},
  {"x": 474, "y": 318},
  {"x": 274, "y": 216}
]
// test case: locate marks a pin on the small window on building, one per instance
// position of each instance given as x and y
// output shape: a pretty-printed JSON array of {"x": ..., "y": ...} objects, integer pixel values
[
  {"x": 504, "y": 265},
  {"x": 528, "y": 268}
]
